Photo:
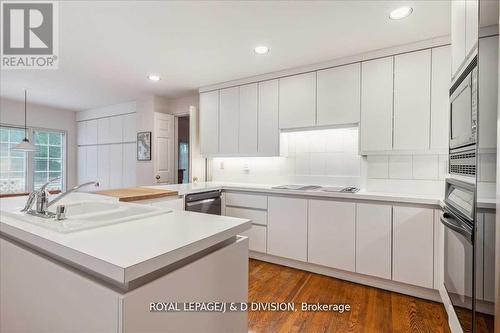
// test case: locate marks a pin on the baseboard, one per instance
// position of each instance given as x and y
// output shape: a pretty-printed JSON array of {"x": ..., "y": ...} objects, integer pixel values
[{"x": 402, "y": 288}]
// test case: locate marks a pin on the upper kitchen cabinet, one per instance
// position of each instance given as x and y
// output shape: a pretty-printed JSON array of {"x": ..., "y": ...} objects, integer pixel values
[
  {"x": 376, "y": 105},
  {"x": 412, "y": 88},
  {"x": 209, "y": 122},
  {"x": 488, "y": 92},
  {"x": 268, "y": 133},
  {"x": 109, "y": 130},
  {"x": 229, "y": 106},
  {"x": 87, "y": 132},
  {"x": 338, "y": 95},
  {"x": 464, "y": 30},
  {"x": 440, "y": 103},
  {"x": 129, "y": 127},
  {"x": 297, "y": 101},
  {"x": 248, "y": 119}
]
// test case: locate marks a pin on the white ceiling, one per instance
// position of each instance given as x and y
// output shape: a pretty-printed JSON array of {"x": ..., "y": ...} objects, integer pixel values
[{"x": 108, "y": 47}]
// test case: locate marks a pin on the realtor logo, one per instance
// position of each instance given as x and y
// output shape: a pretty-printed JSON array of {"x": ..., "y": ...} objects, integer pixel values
[{"x": 29, "y": 35}]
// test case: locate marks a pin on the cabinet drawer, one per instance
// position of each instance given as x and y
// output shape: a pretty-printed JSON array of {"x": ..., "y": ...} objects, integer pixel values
[
  {"x": 257, "y": 216},
  {"x": 257, "y": 236},
  {"x": 246, "y": 200}
]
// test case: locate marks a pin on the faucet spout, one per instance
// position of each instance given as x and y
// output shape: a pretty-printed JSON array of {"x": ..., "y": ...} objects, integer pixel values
[{"x": 77, "y": 187}]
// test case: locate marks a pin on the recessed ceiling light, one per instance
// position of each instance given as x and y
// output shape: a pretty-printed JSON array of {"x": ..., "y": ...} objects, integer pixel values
[
  {"x": 400, "y": 13},
  {"x": 154, "y": 77},
  {"x": 261, "y": 49}
]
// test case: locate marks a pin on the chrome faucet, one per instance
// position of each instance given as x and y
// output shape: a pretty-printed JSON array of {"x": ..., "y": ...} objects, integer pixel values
[{"x": 41, "y": 197}]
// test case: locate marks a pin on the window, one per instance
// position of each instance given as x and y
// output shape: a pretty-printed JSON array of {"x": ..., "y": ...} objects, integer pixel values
[
  {"x": 21, "y": 172},
  {"x": 12, "y": 163}
]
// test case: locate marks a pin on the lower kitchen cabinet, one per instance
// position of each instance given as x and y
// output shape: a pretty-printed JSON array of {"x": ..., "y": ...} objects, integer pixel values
[
  {"x": 413, "y": 245},
  {"x": 257, "y": 236},
  {"x": 373, "y": 239},
  {"x": 332, "y": 234},
  {"x": 287, "y": 228}
]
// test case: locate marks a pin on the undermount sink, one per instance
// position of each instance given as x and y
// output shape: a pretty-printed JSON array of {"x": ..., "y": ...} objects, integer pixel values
[{"x": 91, "y": 214}]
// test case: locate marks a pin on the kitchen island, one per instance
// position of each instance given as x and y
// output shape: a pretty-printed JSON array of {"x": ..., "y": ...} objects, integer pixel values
[{"x": 104, "y": 279}]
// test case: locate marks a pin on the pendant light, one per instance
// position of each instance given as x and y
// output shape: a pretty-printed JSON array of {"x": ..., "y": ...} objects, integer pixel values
[{"x": 25, "y": 144}]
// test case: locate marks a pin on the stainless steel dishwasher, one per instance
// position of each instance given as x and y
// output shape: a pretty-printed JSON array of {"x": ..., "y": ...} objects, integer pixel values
[{"x": 204, "y": 202}]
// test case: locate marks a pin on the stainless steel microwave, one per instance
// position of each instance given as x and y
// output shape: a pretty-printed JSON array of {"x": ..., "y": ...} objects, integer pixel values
[{"x": 463, "y": 108}]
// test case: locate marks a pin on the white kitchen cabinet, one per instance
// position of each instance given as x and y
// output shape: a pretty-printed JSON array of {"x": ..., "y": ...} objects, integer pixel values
[
  {"x": 257, "y": 236},
  {"x": 103, "y": 166},
  {"x": 248, "y": 119},
  {"x": 91, "y": 164},
  {"x": 332, "y": 234},
  {"x": 129, "y": 133},
  {"x": 229, "y": 105},
  {"x": 246, "y": 200},
  {"x": 256, "y": 216},
  {"x": 82, "y": 164},
  {"x": 412, "y": 87},
  {"x": 458, "y": 31},
  {"x": 338, "y": 95},
  {"x": 413, "y": 246},
  {"x": 440, "y": 102},
  {"x": 373, "y": 239},
  {"x": 376, "y": 105},
  {"x": 489, "y": 257},
  {"x": 80, "y": 133},
  {"x": 471, "y": 25},
  {"x": 268, "y": 119},
  {"x": 209, "y": 122},
  {"x": 115, "y": 166},
  {"x": 129, "y": 171},
  {"x": 488, "y": 92},
  {"x": 110, "y": 130},
  {"x": 297, "y": 101},
  {"x": 287, "y": 228},
  {"x": 87, "y": 132}
]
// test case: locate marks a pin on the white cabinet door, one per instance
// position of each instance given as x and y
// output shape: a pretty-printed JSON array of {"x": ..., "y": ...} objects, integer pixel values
[
  {"x": 91, "y": 164},
  {"x": 229, "y": 120},
  {"x": 164, "y": 152},
  {"x": 458, "y": 9},
  {"x": 268, "y": 116},
  {"x": 489, "y": 257},
  {"x": 332, "y": 234},
  {"x": 412, "y": 88},
  {"x": 376, "y": 105},
  {"x": 115, "y": 129},
  {"x": 129, "y": 165},
  {"x": 488, "y": 92},
  {"x": 209, "y": 122},
  {"x": 287, "y": 228},
  {"x": 82, "y": 164},
  {"x": 115, "y": 166},
  {"x": 103, "y": 166},
  {"x": 297, "y": 101},
  {"x": 257, "y": 236},
  {"x": 103, "y": 134},
  {"x": 129, "y": 133},
  {"x": 471, "y": 24},
  {"x": 248, "y": 119},
  {"x": 91, "y": 132},
  {"x": 413, "y": 246},
  {"x": 440, "y": 102},
  {"x": 256, "y": 216},
  {"x": 81, "y": 132},
  {"x": 373, "y": 239},
  {"x": 339, "y": 94}
]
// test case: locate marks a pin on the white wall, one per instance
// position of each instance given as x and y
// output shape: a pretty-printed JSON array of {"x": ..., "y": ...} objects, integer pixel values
[
  {"x": 12, "y": 113},
  {"x": 180, "y": 105}
]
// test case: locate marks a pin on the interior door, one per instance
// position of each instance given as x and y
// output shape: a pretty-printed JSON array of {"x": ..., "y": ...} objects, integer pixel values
[{"x": 163, "y": 149}]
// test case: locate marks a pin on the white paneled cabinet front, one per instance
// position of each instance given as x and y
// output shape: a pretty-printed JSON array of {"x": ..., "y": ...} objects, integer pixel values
[
  {"x": 458, "y": 10},
  {"x": 87, "y": 132},
  {"x": 332, "y": 234},
  {"x": 413, "y": 246},
  {"x": 338, "y": 95},
  {"x": 268, "y": 132},
  {"x": 129, "y": 170},
  {"x": 257, "y": 237},
  {"x": 248, "y": 119},
  {"x": 110, "y": 130},
  {"x": 297, "y": 101},
  {"x": 209, "y": 122},
  {"x": 412, "y": 88},
  {"x": 471, "y": 25},
  {"x": 229, "y": 106},
  {"x": 129, "y": 127},
  {"x": 376, "y": 105},
  {"x": 287, "y": 228},
  {"x": 373, "y": 239},
  {"x": 440, "y": 85}
]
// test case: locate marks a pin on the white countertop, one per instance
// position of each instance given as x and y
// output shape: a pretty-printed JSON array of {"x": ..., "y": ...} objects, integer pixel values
[
  {"x": 126, "y": 251},
  {"x": 184, "y": 189}
]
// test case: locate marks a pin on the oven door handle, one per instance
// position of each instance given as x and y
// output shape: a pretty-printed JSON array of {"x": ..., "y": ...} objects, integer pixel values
[
  {"x": 199, "y": 202},
  {"x": 452, "y": 223}
]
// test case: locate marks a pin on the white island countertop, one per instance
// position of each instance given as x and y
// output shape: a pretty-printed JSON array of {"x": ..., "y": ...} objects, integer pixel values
[
  {"x": 422, "y": 199},
  {"x": 123, "y": 252}
]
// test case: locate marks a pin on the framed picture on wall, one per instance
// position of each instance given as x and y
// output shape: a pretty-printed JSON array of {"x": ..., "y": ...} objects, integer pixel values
[{"x": 144, "y": 146}]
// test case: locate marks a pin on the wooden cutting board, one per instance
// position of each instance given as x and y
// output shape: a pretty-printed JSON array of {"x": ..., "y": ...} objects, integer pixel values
[{"x": 137, "y": 193}]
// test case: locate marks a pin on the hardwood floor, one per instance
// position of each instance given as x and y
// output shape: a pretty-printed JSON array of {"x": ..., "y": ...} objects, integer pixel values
[{"x": 372, "y": 309}]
